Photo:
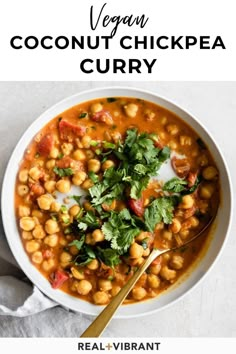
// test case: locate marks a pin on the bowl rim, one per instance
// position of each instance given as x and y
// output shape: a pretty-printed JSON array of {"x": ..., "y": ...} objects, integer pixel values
[{"x": 99, "y": 91}]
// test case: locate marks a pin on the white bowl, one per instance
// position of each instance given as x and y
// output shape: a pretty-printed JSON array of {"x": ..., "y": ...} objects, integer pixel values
[{"x": 222, "y": 222}]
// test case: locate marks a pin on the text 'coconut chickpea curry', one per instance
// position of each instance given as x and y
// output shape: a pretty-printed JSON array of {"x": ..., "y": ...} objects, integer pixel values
[{"x": 91, "y": 206}]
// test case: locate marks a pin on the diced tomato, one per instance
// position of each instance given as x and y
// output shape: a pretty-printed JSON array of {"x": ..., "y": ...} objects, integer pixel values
[
  {"x": 45, "y": 145},
  {"x": 103, "y": 117},
  {"x": 36, "y": 190},
  {"x": 192, "y": 177},
  {"x": 136, "y": 205},
  {"x": 180, "y": 166},
  {"x": 69, "y": 131},
  {"x": 58, "y": 278},
  {"x": 67, "y": 161},
  {"x": 47, "y": 253}
]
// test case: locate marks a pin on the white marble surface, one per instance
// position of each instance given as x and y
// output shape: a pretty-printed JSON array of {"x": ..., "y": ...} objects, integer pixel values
[{"x": 209, "y": 310}]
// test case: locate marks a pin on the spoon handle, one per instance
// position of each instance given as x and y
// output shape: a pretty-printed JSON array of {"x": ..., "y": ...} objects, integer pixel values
[{"x": 99, "y": 324}]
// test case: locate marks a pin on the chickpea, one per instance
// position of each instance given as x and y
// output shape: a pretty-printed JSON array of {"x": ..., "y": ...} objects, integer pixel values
[
  {"x": 86, "y": 139},
  {"x": 27, "y": 235},
  {"x": 187, "y": 202},
  {"x": 89, "y": 239},
  {"x": 74, "y": 210},
  {"x": 67, "y": 148},
  {"x": 167, "y": 273},
  {"x": 51, "y": 240},
  {"x": 210, "y": 173},
  {"x": 194, "y": 221},
  {"x": 206, "y": 191},
  {"x": 50, "y": 164},
  {"x": 139, "y": 293},
  {"x": 146, "y": 252},
  {"x": 94, "y": 165},
  {"x": 65, "y": 257},
  {"x": 45, "y": 201},
  {"x": 54, "y": 153},
  {"x": 23, "y": 175},
  {"x": 39, "y": 232},
  {"x": 131, "y": 110},
  {"x": 35, "y": 173},
  {"x": 149, "y": 114},
  {"x": 88, "y": 183},
  {"x": 172, "y": 129},
  {"x": 98, "y": 235},
  {"x": 175, "y": 226},
  {"x": 115, "y": 289},
  {"x": 22, "y": 190},
  {"x": 184, "y": 233},
  {"x": 104, "y": 284},
  {"x": 79, "y": 178},
  {"x": 136, "y": 251},
  {"x": 51, "y": 226},
  {"x": 107, "y": 164},
  {"x": 88, "y": 206},
  {"x": 27, "y": 223},
  {"x": 153, "y": 281},
  {"x": 55, "y": 207},
  {"x": 155, "y": 268},
  {"x": 116, "y": 137},
  {"x": 142, "y": 236},
  {"x": 48, "y": 264},
  {"x": 63, "y": 185},
  {"x": 172, "y": 145},
  {"x": 163, "y": 120},
  {"x": 74, "y": 250},
  {"x": 167, "y": 235},
  {"x": 96, "y": 107},
  {"x": 93, "y": 265},
  {"x": 74, "y": 285},
  {"x": 77, "y": 274},
  {"x": 166, "y": 257},
  {"x": 89, "y": 154},
  {"x": 159, "y": 226},
  {"x": 37, "y": 257},
  {"x": 79, "y": 155},
  {"x": 50, "y": 186},
  {"x": 100, "y": 298},
  {"x": 108, "y": 207},
  {"x": 37, "y": 213},
  {"x": 177, "y": 262},
  {"x": 84, "y": 287},
  {"x": 185, "y": 140},
  {"x": 23, "y": 210},
  {"x": 32, "y": 246}
]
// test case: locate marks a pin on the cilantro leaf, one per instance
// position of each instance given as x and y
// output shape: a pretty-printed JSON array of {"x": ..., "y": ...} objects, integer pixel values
[
  {"x": 161, "y": 209},
  {"x": 120, "y": 230},
  {"x": 62, "y": 172},
  {"x": 78, "y": 243},
  {"x": 137, "y": 187},
  {"x": 175, "y": 185},
  {"x": 108, "y": 256}
]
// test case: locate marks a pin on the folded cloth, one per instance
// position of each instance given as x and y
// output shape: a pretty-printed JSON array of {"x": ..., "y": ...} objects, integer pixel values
[{"x": 18, "y": 297}]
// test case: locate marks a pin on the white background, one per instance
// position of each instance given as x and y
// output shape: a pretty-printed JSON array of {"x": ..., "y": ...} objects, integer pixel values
[{"x": 169, "y": 17}]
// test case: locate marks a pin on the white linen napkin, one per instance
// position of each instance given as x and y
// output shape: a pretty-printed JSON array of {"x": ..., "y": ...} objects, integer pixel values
[{"x": 18, "y": 297}]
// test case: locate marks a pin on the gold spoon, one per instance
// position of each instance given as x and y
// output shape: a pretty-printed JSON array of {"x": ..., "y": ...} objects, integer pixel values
[{"x": 100, "y": 323}]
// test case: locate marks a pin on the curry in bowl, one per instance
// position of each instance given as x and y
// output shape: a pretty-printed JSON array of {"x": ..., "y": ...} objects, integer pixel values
[{"x": 91, "y": 201}]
